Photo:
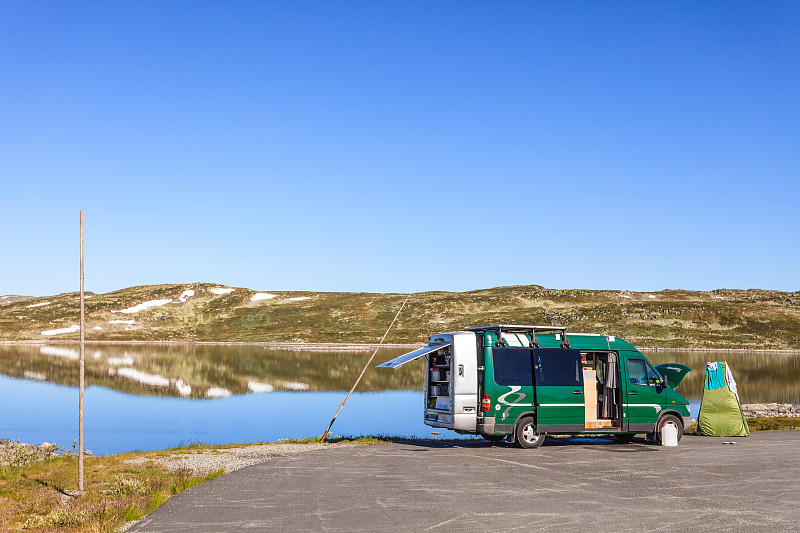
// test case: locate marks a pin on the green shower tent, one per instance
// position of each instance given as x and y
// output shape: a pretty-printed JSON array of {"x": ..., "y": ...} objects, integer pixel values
[{"x": 720, "y": 411}]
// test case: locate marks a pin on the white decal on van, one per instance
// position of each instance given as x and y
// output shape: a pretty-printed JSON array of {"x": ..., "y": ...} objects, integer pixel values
[
  {"x": 655, "y": 406},
  {"x": 515, "y": 389}
]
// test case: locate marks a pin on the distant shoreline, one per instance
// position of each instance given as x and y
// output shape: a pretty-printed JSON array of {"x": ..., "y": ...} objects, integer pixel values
[
  {"x": 331, "y": 346},
  {"x": 341, "y": 346}
]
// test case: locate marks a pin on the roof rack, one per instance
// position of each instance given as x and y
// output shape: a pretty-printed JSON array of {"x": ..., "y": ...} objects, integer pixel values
[{"x": 516, "y": 328}]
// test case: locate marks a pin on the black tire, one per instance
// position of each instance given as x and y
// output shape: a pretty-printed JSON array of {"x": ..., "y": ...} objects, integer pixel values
[
  {"x": 527, "y": 434},
  {"x": 493, "y": 438},
  {"x": 668, "y": 419}
]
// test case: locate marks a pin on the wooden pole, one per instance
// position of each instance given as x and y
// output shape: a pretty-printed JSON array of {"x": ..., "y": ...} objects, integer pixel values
[
  {"x": 80, "y": 386},
  {"x": 325, "y": 435}
]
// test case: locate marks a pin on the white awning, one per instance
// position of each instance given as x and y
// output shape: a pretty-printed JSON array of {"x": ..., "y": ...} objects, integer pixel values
[{"x": 416, "y": 354}]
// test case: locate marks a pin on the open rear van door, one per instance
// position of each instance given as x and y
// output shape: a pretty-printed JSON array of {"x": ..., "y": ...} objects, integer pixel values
[{"x": 397, "y": 362}]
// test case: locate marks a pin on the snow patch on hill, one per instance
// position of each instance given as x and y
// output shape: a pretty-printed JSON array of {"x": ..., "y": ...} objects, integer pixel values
[
  {"x": 221, "y": 290},
  {"x": 185, "y": 295},
  {"x": 71, "y": 329},
  {"x": 144, "y": 305}
]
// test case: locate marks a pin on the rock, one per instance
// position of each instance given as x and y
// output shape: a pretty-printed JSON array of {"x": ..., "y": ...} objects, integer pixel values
[{"x": 769, "y": 410}]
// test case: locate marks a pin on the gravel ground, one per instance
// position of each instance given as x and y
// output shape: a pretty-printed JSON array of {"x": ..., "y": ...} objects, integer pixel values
[{"x": 231, "y": 459}]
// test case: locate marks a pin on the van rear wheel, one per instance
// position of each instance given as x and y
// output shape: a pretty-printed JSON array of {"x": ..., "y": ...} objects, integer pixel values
[{"x": 528, "y": 435}]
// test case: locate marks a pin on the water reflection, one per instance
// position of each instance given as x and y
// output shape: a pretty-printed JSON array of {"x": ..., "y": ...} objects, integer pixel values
[
  {"x": 761, "y": 377},
  {"x": 205, "y": 371},
  {"x": 116, "y": 422}
]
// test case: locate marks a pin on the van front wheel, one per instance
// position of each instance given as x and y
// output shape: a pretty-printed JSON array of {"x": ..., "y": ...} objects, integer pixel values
[
  {"x": 668, "y": 419},
  {"x": 528, "y": 435}
]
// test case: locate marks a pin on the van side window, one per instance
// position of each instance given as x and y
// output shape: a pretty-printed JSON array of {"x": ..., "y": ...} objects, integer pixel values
[
  {"x": 512, "y": 366},
  {"x": 640, "y": 373},
  {"x": 636, "y": 372},
  {"x": 558, "y": 367}
]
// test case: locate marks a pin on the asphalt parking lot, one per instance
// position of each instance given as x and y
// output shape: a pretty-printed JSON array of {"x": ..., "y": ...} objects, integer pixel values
[{"x": 577, "y": 484}]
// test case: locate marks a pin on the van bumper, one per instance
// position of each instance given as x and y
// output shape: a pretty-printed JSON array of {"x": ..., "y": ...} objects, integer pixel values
[
  {"x": 687, "y": 421},
  {"x": 486, "y": 425}
]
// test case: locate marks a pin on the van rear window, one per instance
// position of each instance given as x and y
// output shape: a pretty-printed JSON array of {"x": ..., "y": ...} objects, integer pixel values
[
  {"x": 512, "y": 366},
  {"x": 558, "y": 367}
]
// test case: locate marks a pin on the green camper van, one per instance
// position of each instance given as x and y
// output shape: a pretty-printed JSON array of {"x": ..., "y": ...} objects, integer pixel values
[{"x": 521, "y": 383}]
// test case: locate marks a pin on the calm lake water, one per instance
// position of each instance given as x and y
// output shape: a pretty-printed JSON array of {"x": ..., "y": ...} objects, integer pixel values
[{"x": 145, "y": 397}]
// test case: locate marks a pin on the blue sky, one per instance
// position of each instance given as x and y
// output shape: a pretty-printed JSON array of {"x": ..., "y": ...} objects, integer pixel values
[{"x": 400, "y": 146}]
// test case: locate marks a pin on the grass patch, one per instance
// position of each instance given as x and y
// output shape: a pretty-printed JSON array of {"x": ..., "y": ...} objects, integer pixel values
[
  {"x": 773, "y": 423},
  {"x": 762, "y": 423},
  {"x": 35, "y": 491},
  {"x": 361, "y": 439},
  {"x": 35, "y": 496}
]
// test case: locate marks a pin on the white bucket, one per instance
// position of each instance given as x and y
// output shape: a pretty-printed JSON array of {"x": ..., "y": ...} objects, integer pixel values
[{"x": 669, "y": 435}]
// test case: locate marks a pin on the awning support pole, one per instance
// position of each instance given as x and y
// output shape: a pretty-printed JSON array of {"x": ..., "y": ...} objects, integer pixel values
[{"x": 325, "y": 435}]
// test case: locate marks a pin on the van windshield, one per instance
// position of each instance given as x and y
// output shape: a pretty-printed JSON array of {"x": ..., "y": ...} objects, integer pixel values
[{"x": 640, "y": 373}]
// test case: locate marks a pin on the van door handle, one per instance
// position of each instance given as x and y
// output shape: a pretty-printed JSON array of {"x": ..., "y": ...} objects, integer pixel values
[
  {"x": 633, "y": 394},
  {"x": 577, "y": 392}
]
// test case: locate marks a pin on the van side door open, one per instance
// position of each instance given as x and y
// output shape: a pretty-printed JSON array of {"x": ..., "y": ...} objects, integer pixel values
[{"x": 560, "y": 404}]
